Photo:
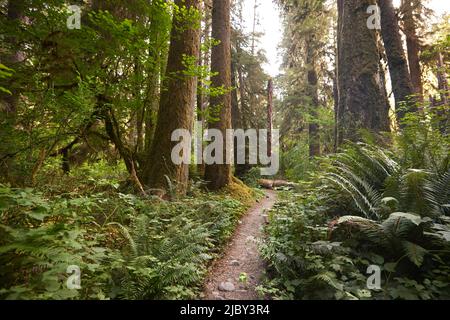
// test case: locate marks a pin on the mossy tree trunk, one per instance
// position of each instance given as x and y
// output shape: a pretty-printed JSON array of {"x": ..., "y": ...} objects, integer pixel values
[
  {"x": 413, "y": 46},
  {"x": 398, "y": 66},
  {"x": 313, "y": 94},
  {"x": 158, "y": 53},
  {"x": 219, "y": 175},
  {"x": 13, "y": 58},
  {"x": 362, "y": 101},
  {"x": 269, "y": 117},
  {"x": 176, "y": 109}
]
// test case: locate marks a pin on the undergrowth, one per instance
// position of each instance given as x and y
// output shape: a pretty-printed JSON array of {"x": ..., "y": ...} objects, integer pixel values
[
  {"x": 368, "y": 208},
  {"x": 126, "y": 247}
]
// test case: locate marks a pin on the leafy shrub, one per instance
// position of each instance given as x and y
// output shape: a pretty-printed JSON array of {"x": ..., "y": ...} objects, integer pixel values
[
  {"x": 40, "y": 239},
  {"x": 367, "y": 208},
  {"x": 302, "y": 264},
  {"x": 252, "y": 177},
  {"x": 310, "y": 258}
]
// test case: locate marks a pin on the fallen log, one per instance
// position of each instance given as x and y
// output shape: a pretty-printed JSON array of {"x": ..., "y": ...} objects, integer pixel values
[{"x": 272, "y": 184}]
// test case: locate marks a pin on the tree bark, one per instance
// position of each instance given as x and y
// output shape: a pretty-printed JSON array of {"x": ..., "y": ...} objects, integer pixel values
[
  {"x": 442, "y": 79},
  {"x": 219, "y": 175},
  {"x": 176, "y": 109},
  {"x": 398, "y": 67},
  {"x": 269, "y": 117},
  {"x": 444, "y": 94},
  {"x": 158, "y": 52},
  {"x": 336, "y": 115},
  {"x": 413, "y": 48},
  {"x": 202, "y": 98},
  {"x": 14, "y": 14},
  {"x": 361, "y": 94},
  {"x": 314, "y": 140},
  {"x": 9, "y": 102}
]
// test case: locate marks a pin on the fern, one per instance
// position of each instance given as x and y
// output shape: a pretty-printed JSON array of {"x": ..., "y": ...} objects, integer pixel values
[
  {"x": 437, "y": 193},
  {"x": 412, "y": 192},
  {"x": 402, "y": 233},
  {"x": 126, "y": 234},
  {"x": 172, "y": 245},
  {"x": 414, "y": 252}
]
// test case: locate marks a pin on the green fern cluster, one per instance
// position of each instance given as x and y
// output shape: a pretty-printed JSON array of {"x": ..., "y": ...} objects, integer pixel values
[
  {"x": 40, "y": 239},
  {"x": 367, "y": 207},
  {"x": 402, "y": 235},
  {"x": 169, "y": 247},
  {"x": 377, "y": 185}
]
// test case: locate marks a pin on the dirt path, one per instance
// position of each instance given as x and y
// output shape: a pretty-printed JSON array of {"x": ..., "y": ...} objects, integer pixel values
[{"x": 241, "y": 258}]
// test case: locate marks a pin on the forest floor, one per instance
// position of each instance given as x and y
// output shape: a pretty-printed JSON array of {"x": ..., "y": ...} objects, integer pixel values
[{"x": 239, "y": 271}]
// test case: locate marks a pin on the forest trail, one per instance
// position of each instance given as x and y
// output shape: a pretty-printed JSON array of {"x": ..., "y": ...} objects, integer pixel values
[{"x": 241, "y": 258}]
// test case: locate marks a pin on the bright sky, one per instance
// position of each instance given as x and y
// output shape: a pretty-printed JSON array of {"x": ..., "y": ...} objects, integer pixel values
[
  {"x": 269, "y": 20},
  {"x": 270, "y": 24}
]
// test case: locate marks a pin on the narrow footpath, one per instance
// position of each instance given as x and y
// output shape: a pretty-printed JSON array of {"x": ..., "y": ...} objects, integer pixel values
[{"x": 238, "y": 272}]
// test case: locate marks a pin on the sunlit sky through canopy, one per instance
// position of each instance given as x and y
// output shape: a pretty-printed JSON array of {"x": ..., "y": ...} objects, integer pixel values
[{"x": 269, "y": 20}]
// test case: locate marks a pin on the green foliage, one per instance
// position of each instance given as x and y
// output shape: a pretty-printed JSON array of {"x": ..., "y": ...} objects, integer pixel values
[
  {"x": 312, "y": 260},
  {"x": 376, "y": 184},
  {"x": 424, "y": 143},
  {"x": 170, "y": 245},
  {"x": 303, "y": 265},
  {"x": 119, "y": 53},
  {"x": 252, "y": 177},
  {"x": 366, "y": 206},
  {"x": 307, "y": 46},
  {"x": 127, "y": 247},
  {"x": 40, "y": 239},
  {"x": 5, "y": 73},
  {"x": 296, "y": 162}
]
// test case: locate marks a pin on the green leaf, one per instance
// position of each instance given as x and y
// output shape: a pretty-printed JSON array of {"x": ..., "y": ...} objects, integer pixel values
[
  {"x": 5, "y": 90},
  {"x": 39, "y": 213},
  {"x": 3, "y": 67},
  {"x": 390, "y": 267},
  {"x": 415, "y": 253}
]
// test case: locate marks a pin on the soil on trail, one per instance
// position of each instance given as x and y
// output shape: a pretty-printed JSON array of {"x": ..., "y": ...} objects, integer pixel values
[{"x": 241, "y": 258}]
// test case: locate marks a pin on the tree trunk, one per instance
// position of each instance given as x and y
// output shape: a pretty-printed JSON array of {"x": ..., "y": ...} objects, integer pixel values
[
  {"x": 336, "y": 108},
  {"x": 219, "y": 175},
  {"x": 158, "y": 53},
  {"x": 442, "y": 79},
  {"x": 314, "y": 141},
  {"x": 242, "y": 95},
  {"x": 176, "y": 109},
  {"x": 9, "y": 102},
  {"x": 15, "y": 14},
  {"x": 361, "y": 95},
  {"x": 444, "y": 93},
  {"x": 382, "y": 118},
  {"x": 269, "y": 117},
  {"x": 398, "y": 67},
  {"x": 236, "y": 118},
  {"x": 413, "y": 46},
  {"x": 202, "y": 98}
]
